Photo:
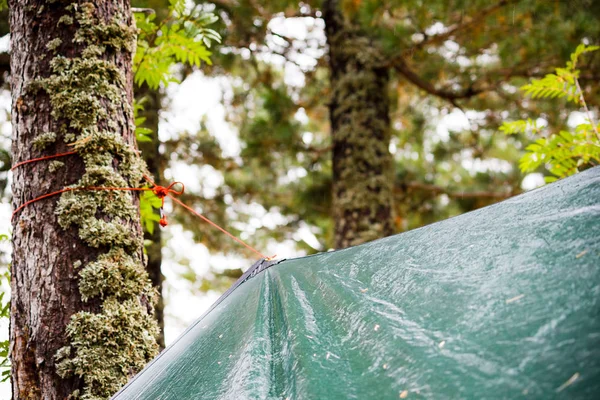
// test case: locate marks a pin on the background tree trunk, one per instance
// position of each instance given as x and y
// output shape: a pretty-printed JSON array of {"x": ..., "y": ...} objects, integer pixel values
[
  {"x": 152, "y": 103},
  {"x": 78, "y": 264},
  {"x": 360, "y": 129},
  {"x": 154, "y": 160}
]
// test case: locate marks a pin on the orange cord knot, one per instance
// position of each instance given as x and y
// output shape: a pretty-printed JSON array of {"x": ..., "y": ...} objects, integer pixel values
[{"x": 161, "y": 192}]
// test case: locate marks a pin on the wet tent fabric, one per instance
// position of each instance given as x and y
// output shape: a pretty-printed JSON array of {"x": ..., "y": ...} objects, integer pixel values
[{"x": 502, "y": 302}]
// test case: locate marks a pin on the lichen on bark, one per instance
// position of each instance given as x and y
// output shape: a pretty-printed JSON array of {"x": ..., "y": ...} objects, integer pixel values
[
  {"x": 89, "y": 96},
  {"x": 43, "y": 140},
  {"x": 360, "y": 124},
  {"x": 106, "y": 347}
]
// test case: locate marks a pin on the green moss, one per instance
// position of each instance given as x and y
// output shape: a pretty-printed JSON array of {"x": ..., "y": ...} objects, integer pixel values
[
  {"x": 79, "y": 87},
  {"x": 96, "y": 232},
  {"x": 88, "y": 93},
  {"x": 54, "y": 44},
  {"x": 115, "y": 274},
  {"x": 65, "y": 20},
  {"x": 43, "y": 140},
  {"x": 115, "y": 34},
  {"x": 106, "y": 347},
  {"x": 55, "y": 166},
  {"x": 364, "y": 190},
  {"x": 93, "y": 51}
]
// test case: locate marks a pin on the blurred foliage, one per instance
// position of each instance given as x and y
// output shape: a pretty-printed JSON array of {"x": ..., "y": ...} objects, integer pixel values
[
  {"x": 5, "y": 163},
  {"x": 450, "y": 60},
  {"x": 4, "y": 309},
  {"x": 178, "y": 36},
  {"x": 148, "y": 203},
  {"x": 568, "y": 151},
  {"x": 142, "y": 134}
]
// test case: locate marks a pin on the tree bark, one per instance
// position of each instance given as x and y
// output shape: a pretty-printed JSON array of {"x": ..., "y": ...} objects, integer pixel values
[
  {"x": 77, "y": 258},
  {"x": 360, "y": 129}
]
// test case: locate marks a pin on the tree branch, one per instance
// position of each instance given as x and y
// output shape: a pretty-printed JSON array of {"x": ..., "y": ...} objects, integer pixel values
[
  {"x": 310, "y": 13},
  {"x": 437, "y": 190},
  {"x": 4, "y": 67},
  {"x": 288, "y": 39},
  {"x": 400, "y": 65},
  {"x": 142, "y": 10},
  {"x": 481, "y": 86},
  {"x": 465, "y": 23}
]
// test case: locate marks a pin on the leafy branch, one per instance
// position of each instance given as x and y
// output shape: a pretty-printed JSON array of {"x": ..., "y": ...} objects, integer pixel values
[
  {"x": 182, "y": 37},
  {"x": 566, "y": 152},
  {"x": 142, "y": 134},
  {"x": 564, "y": 83}
]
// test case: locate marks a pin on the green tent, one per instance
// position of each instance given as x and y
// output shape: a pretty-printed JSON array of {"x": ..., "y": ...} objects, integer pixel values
[{"x": 502, "y": 302}]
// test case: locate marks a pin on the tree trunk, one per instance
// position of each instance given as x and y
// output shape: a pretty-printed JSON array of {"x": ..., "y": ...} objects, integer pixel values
[
  {"x": 360, "y": 129},
  {"x": 151, "y": 153},
  {"x": 81, "y": 308}
]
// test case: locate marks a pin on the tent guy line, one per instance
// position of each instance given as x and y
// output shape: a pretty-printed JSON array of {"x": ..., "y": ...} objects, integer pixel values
[{"x": 160, "y": 191}]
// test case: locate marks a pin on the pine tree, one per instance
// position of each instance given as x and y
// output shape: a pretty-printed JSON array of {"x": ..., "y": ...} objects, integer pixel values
[{"x": 81, "y": 311}]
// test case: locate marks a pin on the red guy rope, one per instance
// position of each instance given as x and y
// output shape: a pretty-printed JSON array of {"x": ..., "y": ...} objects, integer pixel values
[
  {"x": 41, "y": 159},
  {"x": 160, "y": 191},
  {"x": 240, "y": 241}
]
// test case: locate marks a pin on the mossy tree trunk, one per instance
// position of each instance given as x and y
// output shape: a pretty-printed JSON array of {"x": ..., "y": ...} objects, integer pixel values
[
  {"x": 360, "y": 129},
  {"x": 81, "y": 309}
]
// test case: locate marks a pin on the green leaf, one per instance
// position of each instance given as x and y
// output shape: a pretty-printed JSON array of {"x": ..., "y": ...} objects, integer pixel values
[
  {"x": 520, "y": 126},
  {"x": 149, "y": 203},
  {"x": 142, "y": 134},
  {"x": 184, "y": 39},
  {"x": 567, "y": 152}
]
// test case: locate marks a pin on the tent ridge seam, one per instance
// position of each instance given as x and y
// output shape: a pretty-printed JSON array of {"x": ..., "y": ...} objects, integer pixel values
[{"x": 261, "y": 266}]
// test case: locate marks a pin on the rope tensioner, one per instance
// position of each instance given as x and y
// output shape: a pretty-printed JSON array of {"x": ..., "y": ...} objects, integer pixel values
[{"x": 159, "y": 191}]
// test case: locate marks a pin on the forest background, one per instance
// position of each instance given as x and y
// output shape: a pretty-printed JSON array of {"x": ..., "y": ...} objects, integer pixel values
[{"x": 251, "y": 137}]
